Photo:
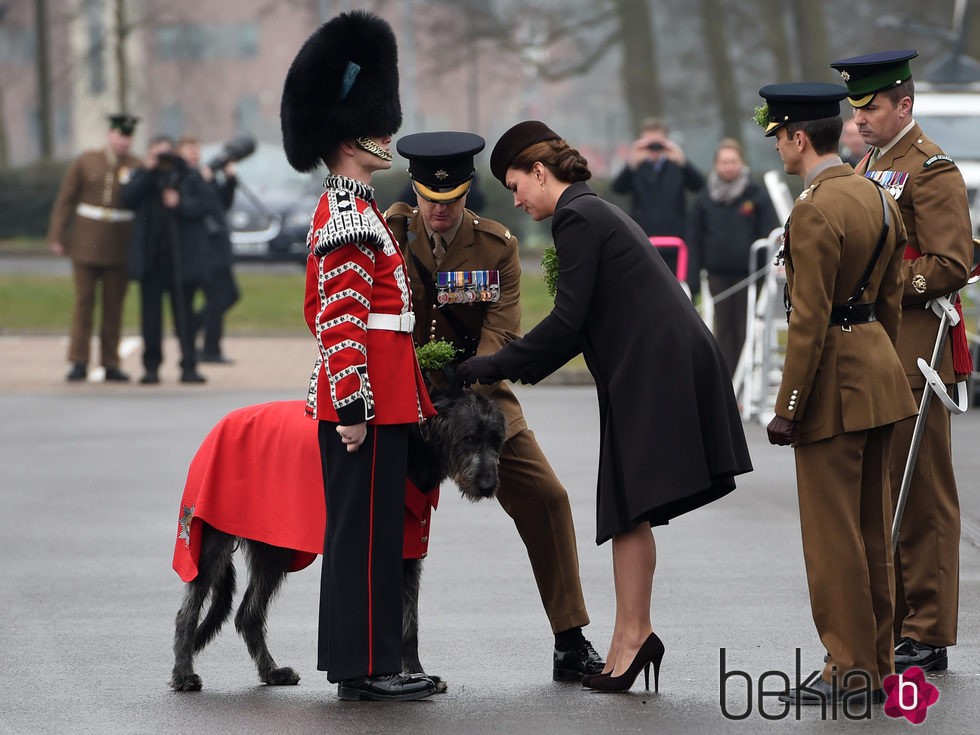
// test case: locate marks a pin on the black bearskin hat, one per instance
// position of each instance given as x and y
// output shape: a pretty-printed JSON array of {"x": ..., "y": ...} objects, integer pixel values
[{"x": 342, "y": 85}]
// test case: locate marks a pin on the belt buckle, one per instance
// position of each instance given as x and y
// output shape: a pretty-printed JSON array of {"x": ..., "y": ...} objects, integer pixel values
[
  {"x": 106, "y": 214},
  {"x": 845, "y": 327},
  {"x": 406, "y": 321}
]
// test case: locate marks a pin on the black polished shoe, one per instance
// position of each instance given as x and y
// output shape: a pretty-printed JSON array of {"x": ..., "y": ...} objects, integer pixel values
[
  {"x": 78, "y": 372},
  {"x": 192, "y": 376},
  {"x": 152, "y": 377},
  {"x": 821, "y": 693},
  {"x": 388, "y": 688},
  {"x": 910, "y": 653},
  {"x": 115, "y": 375},
  {"x": 580, "y": 661}
]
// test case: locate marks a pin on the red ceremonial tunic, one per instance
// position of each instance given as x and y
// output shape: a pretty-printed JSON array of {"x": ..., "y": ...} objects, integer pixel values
[
  {"x": 257, "y": 475},
  {"x": 356, "y": 269}
]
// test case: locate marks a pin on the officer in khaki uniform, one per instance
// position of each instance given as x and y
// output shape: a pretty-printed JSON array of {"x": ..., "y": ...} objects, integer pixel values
[
  {"x": 465, "y": 274},
  {"x": 89, "y": 226},
  {"x": 843, "y": 387},
  {"x": 932, "y": 197}
]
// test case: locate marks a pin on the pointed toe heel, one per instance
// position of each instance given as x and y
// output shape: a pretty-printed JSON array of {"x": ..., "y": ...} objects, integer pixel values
[{"x": 651, "y": 652}]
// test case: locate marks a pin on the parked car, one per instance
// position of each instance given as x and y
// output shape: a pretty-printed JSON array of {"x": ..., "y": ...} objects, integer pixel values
[{"x": 270, "y": 216}]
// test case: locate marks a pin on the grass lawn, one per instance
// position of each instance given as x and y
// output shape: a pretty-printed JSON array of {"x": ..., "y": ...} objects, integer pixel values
[{"x": 271, "y": 303}]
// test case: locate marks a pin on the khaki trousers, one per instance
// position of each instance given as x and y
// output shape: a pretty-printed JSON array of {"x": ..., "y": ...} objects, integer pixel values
[
  {"x": 927, "y": 562},
  {"x": 114, "y": 281},
  {"x": 846, "y": 515},
  {"x": 533, "y": 496}
]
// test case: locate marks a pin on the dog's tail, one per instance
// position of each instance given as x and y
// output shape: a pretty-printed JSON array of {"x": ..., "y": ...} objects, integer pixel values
[{"x": 222, "y": 595}]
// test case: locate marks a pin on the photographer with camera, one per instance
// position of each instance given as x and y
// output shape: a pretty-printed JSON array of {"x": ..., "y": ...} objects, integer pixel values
[
  {"x": 220, "y": 290},
  {"x": 167, "y": 251},
  {"x": 657, "y": 174}
]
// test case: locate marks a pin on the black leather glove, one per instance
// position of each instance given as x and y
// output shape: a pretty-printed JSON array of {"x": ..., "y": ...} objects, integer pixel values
[
  {"x": 478, "y": 369},
  {"x": 783, "y": 431}
]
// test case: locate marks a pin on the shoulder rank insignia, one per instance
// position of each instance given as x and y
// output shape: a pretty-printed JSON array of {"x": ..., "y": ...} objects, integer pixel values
[
  {"x": 893, "y": 181},
  {"x": 935, "y": 159},
  {"x": 919, "y": 283}
]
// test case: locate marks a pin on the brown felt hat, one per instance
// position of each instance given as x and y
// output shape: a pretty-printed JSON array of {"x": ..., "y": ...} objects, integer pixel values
[{"x": 514, "y": 141}]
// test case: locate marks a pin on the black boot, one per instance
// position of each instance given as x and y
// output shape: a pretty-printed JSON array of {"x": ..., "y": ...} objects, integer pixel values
[
  {"x": 115, "y": 375},
  {"x": 78, "y": 372}
]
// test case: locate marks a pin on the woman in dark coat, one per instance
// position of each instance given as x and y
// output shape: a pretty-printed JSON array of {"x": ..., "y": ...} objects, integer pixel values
[
  {"x": 730, "y": 214},
  {"x": 671, "y": 435}
]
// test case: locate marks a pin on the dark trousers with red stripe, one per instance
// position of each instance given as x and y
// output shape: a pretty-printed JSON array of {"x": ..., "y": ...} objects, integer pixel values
[{"x": 360, "y": 629}]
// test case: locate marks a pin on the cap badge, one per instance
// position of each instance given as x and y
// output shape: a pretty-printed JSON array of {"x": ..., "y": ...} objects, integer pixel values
[
  {"x": 845, "y": 76},
  {"x": 441, "y": 174}
]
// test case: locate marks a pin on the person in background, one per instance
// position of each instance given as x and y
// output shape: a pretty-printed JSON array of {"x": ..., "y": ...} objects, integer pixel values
[
  {"x": 671, "y": 435},
  {"x": 167, "y": 251},
  {"x": 340, "y": 107},
  {"x": 446, "y": 243},
  {"x": 92, "y": 227},
  {"x": 728, "y": 215},
  {"x": 658, "y": 176},
  {"x": 852, "y": 145},
  {"x": 220, "y": 289}
]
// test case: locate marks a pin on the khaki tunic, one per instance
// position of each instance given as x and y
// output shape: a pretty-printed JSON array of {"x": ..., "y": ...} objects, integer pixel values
[
  {"x": 936, "y": 214},
  {"x": 837, "y": 381},
  {"x": 94, "y": 178},
  {"x": 480, "y": 244}
]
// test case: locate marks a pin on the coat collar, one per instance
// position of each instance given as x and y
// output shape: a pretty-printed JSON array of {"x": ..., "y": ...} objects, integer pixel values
[
  {"x": 900, "y": 149},
  {"x": 578, "y": 189},
  {"x": 831, "y": 169}
]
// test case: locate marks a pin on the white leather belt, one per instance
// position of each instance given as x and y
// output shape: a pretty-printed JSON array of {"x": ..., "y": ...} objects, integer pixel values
[
  {"x": 104, "y": 214},
  {"x": 392, "y": 322}
]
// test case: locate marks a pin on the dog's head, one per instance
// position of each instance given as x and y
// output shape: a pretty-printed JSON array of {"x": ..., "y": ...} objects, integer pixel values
[{"x": 467, "y": 434}]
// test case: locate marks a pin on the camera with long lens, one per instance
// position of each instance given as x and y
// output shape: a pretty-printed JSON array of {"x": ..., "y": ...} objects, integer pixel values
[{"x": 236, "y": 149}]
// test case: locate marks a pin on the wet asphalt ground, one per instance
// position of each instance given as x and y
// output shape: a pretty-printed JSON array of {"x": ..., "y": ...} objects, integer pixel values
[{"x": 90, "y": 480}]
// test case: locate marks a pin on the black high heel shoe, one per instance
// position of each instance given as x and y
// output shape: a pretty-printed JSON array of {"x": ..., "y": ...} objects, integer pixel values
[
  {"x": 589, "y": 678},
  {"x": 651, "y": 652}
]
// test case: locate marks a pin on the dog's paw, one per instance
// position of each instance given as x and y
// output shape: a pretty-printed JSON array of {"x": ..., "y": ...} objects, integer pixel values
[
  {"x": 282, "y": 677},
  {"x": 186, "y": 683},
  {"x": 439, "y": 682}
]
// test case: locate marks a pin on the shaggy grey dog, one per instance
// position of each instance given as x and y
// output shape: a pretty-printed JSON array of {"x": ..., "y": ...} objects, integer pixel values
[{"x": 462, "y": 443}]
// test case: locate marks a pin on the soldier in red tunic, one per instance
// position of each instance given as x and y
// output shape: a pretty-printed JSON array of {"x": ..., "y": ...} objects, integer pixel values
[{"x": 340, "y": 106}]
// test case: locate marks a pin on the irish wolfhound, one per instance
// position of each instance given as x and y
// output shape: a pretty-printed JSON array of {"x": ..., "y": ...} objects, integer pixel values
[{"x": 462, "y": 443}]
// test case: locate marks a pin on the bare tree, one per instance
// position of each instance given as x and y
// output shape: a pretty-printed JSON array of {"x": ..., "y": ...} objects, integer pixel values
[
  {"x": 811, "y": 39},
  {"x": 43, "y": 80},
  {"x": 640, "y": 71},
  {"x": 777, "y": 41},
  {"x": 714, "y": 25}
]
